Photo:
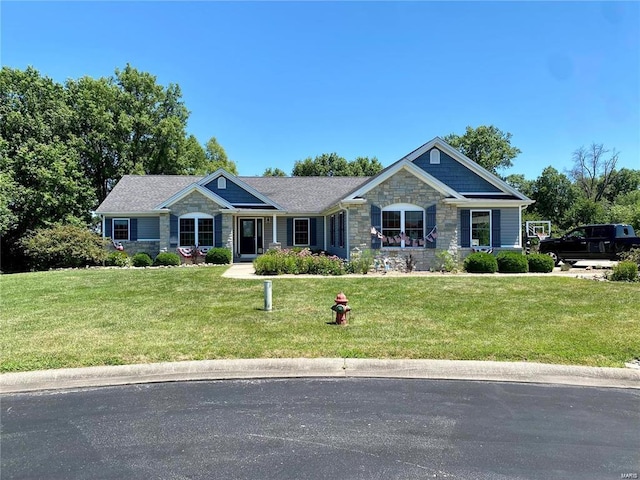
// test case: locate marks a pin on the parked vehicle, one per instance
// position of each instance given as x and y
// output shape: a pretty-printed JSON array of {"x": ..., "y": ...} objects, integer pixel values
[{"x": 591, "y": 242}]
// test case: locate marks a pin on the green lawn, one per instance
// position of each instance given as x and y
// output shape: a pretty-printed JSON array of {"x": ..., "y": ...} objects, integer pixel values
[{"x": 88, "y": 317}]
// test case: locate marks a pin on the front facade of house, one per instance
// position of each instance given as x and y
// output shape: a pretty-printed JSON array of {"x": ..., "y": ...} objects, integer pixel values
[{"x": 431, "y": 200}]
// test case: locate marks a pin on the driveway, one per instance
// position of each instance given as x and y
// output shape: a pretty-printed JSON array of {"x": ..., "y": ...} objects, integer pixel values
[{"x": 319, "y": 428}]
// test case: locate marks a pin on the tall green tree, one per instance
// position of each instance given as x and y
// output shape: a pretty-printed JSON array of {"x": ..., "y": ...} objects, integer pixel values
[
  {"x": 274, "y": 172},
  {"x": 488, "y": 146},
  {"x": 41, "y": 180},
  {"x": 624, "y": 181},
  {"x": 365, "y": 167},
  {"x": 217, "y": 158},
  {"x": 198, "y": 163},
  {"x": 555, "y": 196},
  {"x": 158, "y": 119},
  {"x": 520, "y": 183},
  {"x": 332, "y": 164},
  {"x": 324, "y": 165},
  {"x": 101, "y": 128}
]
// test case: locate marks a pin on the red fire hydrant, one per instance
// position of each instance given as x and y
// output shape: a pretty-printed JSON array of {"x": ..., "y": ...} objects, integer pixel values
[{"x": 341, "y": 308}]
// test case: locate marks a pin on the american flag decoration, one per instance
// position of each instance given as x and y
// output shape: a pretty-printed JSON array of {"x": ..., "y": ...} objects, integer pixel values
[
  {"x": 433, "y": 234},
  {"x": 375, "y": 232}
]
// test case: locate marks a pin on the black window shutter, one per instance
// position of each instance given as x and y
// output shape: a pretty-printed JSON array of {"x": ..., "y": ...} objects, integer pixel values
[
  {"x": 495, "y": 228},
  {"x": 108, "y": 223},
  {"x": 376, "y": 222},
  {"x": 217, "y": 230},
  {"x": 173, "y": 231},
  {"x": 313, "y": 231},
  {"x": 431, "y": 224},
  {"x": 289, "y": 232},
  {"x": 465, "y": 228},
  {"x": 133, "y": 229}
]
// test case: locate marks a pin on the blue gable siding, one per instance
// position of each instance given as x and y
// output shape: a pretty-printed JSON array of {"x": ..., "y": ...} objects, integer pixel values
[
  {"x": 454, "y": 174},
  {"x": 233, "y": 193}
]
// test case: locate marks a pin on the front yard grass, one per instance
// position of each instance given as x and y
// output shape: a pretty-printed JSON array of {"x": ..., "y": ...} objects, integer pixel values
[{"x": 77, "y": 318}]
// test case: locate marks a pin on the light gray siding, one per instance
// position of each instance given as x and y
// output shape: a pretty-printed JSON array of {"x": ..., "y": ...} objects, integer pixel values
[
  {"x": 510, "y": 227},
  {"x": 284, "y": 234},
  {"x": 149, "y": 228}
]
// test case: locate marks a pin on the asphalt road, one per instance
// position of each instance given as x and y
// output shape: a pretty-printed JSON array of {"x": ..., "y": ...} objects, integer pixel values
[{"x": 352, "y": 428}]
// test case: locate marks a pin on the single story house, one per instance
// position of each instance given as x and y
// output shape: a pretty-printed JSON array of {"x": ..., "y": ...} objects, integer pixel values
[{"x": 433, "y": 199}]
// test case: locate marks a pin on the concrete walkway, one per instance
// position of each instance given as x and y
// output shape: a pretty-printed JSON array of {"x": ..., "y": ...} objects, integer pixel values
[
  {"x": 521, "y": 372},
  {"x": 588, "y": 270}
]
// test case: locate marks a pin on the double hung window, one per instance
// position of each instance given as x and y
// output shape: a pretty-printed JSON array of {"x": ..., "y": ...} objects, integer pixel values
[
  {"x": 196, "y": 231},
  {"x": 402, "y": 226},
  {"x": 481, "y": 228},
  {"x": 300, "y": 231},
  {"x": 120, "y": 229}
]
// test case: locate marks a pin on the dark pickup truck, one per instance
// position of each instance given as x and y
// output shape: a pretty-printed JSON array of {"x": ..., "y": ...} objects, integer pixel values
[{"x": 591, "y": 242}]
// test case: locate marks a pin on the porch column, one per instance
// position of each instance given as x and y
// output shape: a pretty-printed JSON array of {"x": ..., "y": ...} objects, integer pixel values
[{"x": 274, "y": 229}]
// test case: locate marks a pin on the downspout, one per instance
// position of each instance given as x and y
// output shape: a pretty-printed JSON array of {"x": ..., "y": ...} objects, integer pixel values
[
  {"x": 346, "y": 228},
  {"x": 274, "y": 229},
  {"x": 324, "y": 230},
  {"x": 520, "y": 225}
]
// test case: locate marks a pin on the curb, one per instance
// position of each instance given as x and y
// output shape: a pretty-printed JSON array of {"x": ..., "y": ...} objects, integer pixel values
[{"x": 521, "y": 372}]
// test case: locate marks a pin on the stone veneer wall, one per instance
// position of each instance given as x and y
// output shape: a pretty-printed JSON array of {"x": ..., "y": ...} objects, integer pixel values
[
  {"x": 133, "y": 247},
  {"x": 196, "y": 202},
  {"x": 404, "y": 187}
]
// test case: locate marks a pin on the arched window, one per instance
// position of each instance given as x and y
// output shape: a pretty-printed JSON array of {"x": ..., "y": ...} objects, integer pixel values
[
  {"x": 196, "y": 229},
  {"x": 402, "y": 225}
]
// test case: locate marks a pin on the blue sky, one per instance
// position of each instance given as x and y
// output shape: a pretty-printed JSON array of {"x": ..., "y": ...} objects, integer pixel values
[{"x": 277, "y": 82}]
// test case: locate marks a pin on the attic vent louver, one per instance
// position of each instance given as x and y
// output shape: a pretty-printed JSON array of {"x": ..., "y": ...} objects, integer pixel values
[
  {"x": 222, "y": 183},
  {"x": 434, "y": 156}
]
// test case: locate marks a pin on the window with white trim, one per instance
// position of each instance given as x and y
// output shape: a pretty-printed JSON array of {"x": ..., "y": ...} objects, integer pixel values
[
  {"x": 402, "y": 225},
  {"x": 120, "y": 229},
  {"x": 480, "y": 228},
  {"x": 196, "y": 229},
  {"x": 300, "y": 231}
]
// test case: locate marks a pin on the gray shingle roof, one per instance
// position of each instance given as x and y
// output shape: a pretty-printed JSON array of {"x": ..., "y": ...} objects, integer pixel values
[
  {"x": 142, "y": 193},
  {"x": 305, "y": 194}
]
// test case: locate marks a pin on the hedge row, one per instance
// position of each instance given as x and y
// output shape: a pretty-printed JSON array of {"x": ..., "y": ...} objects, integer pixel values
[{"x": 508, "y": 262}]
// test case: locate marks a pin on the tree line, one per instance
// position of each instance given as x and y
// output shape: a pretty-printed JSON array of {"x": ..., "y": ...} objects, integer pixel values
[{"x": 64, "y": 146}]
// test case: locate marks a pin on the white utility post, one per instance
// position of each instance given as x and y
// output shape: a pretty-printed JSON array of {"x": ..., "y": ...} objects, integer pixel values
[{"x": 268, "y": 305}]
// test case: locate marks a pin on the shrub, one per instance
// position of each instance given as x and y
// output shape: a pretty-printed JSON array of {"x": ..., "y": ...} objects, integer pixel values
[
  {"x": 481, "y": 262},
  {"x": 446, "y": 261},
  {"x": 625, "y": 271},
  {"x": 165, "y": 259},
  {"x": 64, "y": 246},
  {"x": 141, "y": 259},
  {"x": 512, "y": 262},
  {"x": 632, "y": 255},
  {"x": 117, "y": 259},
  {"x": 299, "y": 261},
  {"x": 218, "y": 256},
  {"x": 361, "y": 262},
  {"x": 540, "y": 263}
]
